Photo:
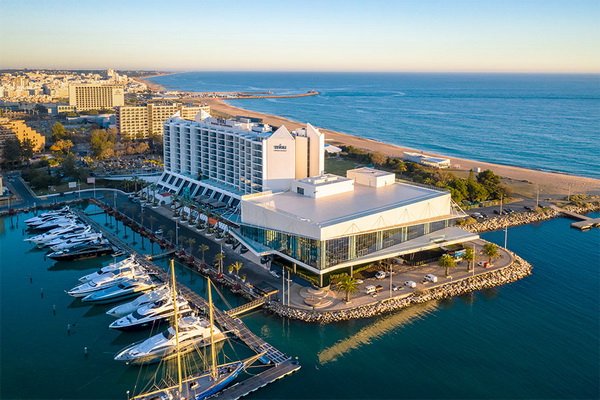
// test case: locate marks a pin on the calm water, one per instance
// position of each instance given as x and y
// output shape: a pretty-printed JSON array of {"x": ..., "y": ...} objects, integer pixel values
[
  {"x": 548, "y": 122},
  {"x": 533, "y": 339}
]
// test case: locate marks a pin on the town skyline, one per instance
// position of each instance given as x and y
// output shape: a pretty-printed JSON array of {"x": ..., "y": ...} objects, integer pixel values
[{"x": 432, "y": 36}]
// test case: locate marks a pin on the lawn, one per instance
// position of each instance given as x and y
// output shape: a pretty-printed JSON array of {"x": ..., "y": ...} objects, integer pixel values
[{"x": 339, "y": 166}]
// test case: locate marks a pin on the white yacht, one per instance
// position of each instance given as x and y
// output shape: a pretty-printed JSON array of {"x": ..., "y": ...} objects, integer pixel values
[
  {"x": 107, "y": 280},
  {"x": 49, "y": 214},
  {"x": 151, "y": 313},
  {"x": 114, "y": 267},
  {"x": 55, "y": 223},
  {"x": 64, "y": 232},
  {"x": 194, "y": 332},
  {"x": 83, "y": 238},
  {"x": 161, "y": 293},
  {"x": 120, "y": 291}
]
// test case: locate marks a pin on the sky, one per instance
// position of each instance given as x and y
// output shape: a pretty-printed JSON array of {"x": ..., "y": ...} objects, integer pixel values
[{"x": 256, "y": 35}]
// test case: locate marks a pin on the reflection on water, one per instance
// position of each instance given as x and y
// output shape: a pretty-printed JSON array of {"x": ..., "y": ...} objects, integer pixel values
[{"x": 377, "y": 330}]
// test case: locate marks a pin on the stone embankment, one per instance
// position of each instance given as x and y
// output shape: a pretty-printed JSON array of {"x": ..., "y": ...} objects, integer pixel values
[
  {"x": 516, "y": 219},
  {"x": 517, "y": 270}
]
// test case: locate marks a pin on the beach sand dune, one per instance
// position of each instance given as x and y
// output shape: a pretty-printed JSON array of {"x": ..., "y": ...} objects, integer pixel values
[{"x": 549, "y": 183}]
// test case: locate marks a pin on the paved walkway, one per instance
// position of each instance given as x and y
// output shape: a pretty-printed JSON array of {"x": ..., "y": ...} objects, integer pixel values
[{"x": 335, "y": 301}]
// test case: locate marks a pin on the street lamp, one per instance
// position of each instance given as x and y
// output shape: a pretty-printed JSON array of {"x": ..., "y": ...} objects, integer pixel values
[{"x": 176, "y": 233}]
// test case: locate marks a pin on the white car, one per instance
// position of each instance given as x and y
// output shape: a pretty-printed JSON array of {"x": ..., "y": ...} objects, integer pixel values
[
  {"x": 380, "y": 275},
  {"x": 410, "y": 284}
]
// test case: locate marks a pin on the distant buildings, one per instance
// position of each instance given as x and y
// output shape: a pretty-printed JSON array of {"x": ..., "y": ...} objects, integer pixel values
[
  {"x": 15, "y": 128},
  {"x": 139, "y": 122},
  {"x": 95, "y": 97}
]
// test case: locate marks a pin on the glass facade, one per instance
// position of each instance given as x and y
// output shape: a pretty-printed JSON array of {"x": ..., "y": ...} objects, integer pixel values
[{"x": 322, "y": 254}]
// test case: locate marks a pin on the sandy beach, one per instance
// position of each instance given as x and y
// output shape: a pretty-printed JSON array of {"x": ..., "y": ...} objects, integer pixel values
[
  {"x": 151, "y": 85},
  {"x": 522, "y": 180}
]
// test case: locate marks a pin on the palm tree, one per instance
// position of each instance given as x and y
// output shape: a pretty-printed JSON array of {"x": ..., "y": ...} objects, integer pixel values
[
  {"x": 219, "y": 258},
  {"x": 191, "y": 242},
  {"x": 170, "y": 234},
  {"x": 203, "y": 248},
  {"x": 490, "y": 250},
  {"x": 236, "y": 266},
  {"x": 469, "y": 257},
  {"x": 447, "y": 261},
  {"x": 347, "y": 285},
  {"x": 152, "y": 220},
  {"x": 162, "y": 228}
]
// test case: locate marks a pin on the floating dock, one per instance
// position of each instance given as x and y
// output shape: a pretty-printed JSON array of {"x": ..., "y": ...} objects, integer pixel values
[
  {"x": 280, "y": 364},
  {"x": 583, "y": 223}
]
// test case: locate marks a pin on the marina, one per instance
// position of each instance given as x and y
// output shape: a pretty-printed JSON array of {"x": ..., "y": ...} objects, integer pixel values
[{"x": 282, "y": 364}]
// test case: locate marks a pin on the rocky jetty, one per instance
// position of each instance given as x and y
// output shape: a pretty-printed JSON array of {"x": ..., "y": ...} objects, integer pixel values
[
  {"x": 516, "y": 219},
  {"x": 517, "y": 270}
]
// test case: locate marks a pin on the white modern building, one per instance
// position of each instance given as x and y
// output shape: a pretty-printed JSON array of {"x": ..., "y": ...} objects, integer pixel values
[
  {"x": 329, "y": 222},
  {"x": 222, "y": 160}
]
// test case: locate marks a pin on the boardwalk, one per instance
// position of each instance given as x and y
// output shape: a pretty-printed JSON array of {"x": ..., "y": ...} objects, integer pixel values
[
  {"x": 282, "y": 365},
  {"x": 583, "y": 223}
]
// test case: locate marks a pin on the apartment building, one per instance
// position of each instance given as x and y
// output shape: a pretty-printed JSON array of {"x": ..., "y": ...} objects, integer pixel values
[
  {"x": 95, "y": 97},
  {"x": 16, "y": 128},
  {"x": 142, "y": 121}
]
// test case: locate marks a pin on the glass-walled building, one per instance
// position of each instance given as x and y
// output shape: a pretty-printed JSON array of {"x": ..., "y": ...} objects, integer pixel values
[{"x": 330, "y": 222}]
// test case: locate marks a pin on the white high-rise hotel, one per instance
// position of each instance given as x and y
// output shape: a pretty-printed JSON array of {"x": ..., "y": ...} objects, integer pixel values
[
  {"x": 232, "y": 158},
  {"x": 286, "y": 205}
]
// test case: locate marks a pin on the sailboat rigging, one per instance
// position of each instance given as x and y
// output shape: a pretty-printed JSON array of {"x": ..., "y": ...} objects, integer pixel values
[{"x": 201, "y": 385}]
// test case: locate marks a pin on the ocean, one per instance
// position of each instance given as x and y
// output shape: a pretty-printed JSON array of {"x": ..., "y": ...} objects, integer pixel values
[
  {"x": 541, "y": 121},
  {"x": 537, "y": 338}
]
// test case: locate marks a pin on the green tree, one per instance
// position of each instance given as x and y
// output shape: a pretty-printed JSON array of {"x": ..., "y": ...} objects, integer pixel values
[
  {"x": 203, "y": 248},
  {"x": 62, "y": 147},
  {"x": 378, "y": 158},
  {"x": 12, "y": 152},
  {"x": 102, "y": 144},
  {"x": 191, "y": 242},
  {"x": 58, "y": 132},
  {"x": 236, "y": 266},
  {"x": 347, "y": 285},
  {"x": 491, "y": 251},
  {"x": 488, "y": 178},
  {"x": 447, "y": 261},
  {"x": 27, "y": 150},
  {"x": 477, "y": 192},
  {"x": 469, "y": 257},
  {"x": 170, "y": 234}
]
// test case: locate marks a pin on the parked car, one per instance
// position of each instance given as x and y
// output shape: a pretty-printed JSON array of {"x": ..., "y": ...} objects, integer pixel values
[
  {"x": 410, "y": 284},
  {"x": 370, "y": 289},
  {"x": 430, "y": 278},
  {"x": 484, "y": 264},
  {"x": 359, "y": 281},
  {"x": 380, "y": 275}
]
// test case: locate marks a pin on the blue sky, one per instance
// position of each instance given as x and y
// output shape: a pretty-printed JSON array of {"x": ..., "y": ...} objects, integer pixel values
[{"x": 419, "y": 35}]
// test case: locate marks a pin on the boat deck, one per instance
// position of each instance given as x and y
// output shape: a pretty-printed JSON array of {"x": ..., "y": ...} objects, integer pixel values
[{"x": 281, "y": 364}]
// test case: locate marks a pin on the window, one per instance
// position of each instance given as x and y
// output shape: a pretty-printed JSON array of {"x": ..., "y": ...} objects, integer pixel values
[{"x": 300, "y": 190}]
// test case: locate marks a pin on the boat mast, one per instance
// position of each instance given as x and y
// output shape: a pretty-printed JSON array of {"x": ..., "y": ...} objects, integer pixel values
[
  {"x": 176, "y": 325},
  {"x": 213, "y": 356}
]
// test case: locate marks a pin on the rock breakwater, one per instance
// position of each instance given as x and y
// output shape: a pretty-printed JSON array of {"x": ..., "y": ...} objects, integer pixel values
[{"x": 518, "y": 269}]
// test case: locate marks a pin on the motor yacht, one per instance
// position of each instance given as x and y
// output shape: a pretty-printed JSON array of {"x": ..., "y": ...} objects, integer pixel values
[
  {"x": 84, "y": 250},
  {"x": 49, "y": 214},
  {"x": 64, "y": 232},
  {"x": 150, "y": 314},
  {"x": 107, "y": 280},
  {"x": 127, "y": 262},
  {"x": 160, "y": 293},
  {"x": 194, "y": 332},
  {"x": 55, "y": 223},
  {"x": 124, "y": 290},
  {"x": 83, "y": 238}
]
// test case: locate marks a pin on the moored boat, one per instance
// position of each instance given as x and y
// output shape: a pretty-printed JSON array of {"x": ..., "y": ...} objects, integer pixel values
[
  {"x": 129, "y": 261},
  {"x": 123, "y": 290},
  {"x": 122, "y": 310},
  {"x": 82, "y": 238},
  {"x": 194, "y": 333},
  {"x": 107, "y": 280},
  {"x": 83, "y": 250},
  {"x": 150, "y": 314},
  {"x": 47, "y": 215}
]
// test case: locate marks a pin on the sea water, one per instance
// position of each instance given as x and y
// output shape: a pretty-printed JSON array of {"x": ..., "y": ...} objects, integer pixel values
[
  {"x": 541, "y": 121},
  {"x": 536, "y": 338}
]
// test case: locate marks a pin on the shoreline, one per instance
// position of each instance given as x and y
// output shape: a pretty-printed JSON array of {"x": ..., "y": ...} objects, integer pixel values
[{"x": 549, "y": 183}]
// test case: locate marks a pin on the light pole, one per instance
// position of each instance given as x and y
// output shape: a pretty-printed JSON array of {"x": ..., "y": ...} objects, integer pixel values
[
  {"x": 391, "y": 269},
  {"x": 505, "y": 236},
  {"x": 176, "y": 234}
]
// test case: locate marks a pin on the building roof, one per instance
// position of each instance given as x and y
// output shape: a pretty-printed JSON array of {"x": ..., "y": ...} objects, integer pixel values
[{"x": 330, "y": 210}]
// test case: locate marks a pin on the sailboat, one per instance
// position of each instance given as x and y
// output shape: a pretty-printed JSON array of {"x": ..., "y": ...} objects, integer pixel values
[{"x": 202, "y": 385}]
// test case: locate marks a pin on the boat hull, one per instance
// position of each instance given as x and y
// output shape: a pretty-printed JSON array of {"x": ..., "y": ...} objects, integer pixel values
[{"x": 82, "y": 255}]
